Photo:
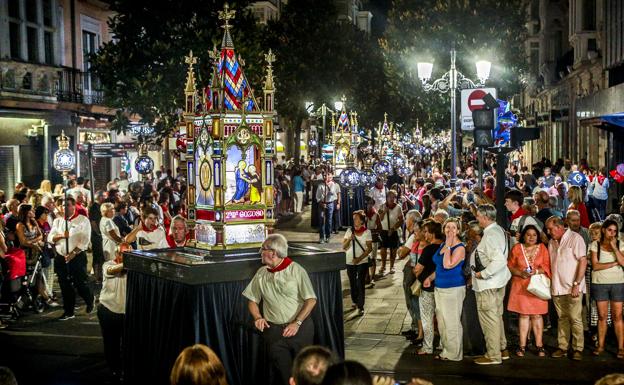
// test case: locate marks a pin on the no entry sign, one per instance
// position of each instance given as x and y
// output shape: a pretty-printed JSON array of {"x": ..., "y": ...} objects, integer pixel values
[{"x": 472, "y": 99}]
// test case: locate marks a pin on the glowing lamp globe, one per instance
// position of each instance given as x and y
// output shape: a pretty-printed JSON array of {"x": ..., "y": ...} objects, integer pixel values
[
  {"x": 350, "y": 177},
  {"x": 405, "y": 171},
  {"x": 144, "y": 165},
  {"x": 64, "y": 158},
  {"x": 368, "y": 178},
  {"x": 383, "y": 168},
  {"x": 397, "y": 160}
]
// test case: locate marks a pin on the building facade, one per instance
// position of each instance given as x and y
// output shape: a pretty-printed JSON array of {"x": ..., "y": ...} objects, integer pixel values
[
  {"x": 46, "y": 87},
  {"x": 575, "y": 87}
]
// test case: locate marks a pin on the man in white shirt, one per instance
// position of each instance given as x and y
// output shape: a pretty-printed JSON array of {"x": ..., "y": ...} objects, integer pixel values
[
  {"x": 80, "y": 188},
  {"x": 491, "y": 275},
  {"x": 123, "y": 182},
  {"x": 568, "y": 262},
  {"x": 151, "y": 234},
  {"x": 378, "y": 193},
  {"x": 70, "y": 263},
  {"x": 328, "y": 198}
]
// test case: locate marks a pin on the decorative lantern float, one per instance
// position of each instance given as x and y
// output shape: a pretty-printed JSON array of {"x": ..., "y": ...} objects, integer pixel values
[
  {"x": 230, "y": 149},
  {"x": 345, "y": 137}
]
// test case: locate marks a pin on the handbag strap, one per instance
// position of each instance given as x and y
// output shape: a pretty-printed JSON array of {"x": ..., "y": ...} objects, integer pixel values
[
  {"x": 525, "y": 257},
  {"x": 358, "y": 243}
]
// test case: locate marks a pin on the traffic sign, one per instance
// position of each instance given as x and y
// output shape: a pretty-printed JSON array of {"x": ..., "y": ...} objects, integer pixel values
[{"x": 471, "y": 100}]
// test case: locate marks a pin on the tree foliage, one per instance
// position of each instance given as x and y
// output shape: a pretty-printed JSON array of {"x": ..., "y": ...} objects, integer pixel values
[
  {"x": 425, "y": 30},
  {"x": 142, "y": 70},
  {"x": 320, "y": 58}
]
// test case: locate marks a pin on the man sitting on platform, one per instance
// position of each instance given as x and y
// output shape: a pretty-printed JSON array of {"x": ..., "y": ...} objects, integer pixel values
[{"x": 285, "y": 290}]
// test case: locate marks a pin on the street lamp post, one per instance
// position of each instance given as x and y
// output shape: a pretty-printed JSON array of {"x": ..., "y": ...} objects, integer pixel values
[
  {"x": 451, "y": 82},
  {"x": 64, "y": 162}
]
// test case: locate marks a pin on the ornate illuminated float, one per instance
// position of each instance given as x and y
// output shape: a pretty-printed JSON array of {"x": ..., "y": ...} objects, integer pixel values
[
  {"x": 229, "y": 154},
  {"x": 345, "y": 138}
]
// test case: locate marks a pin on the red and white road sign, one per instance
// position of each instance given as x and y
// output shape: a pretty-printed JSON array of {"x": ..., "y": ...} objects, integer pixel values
[{"x": 471, "y": 100}]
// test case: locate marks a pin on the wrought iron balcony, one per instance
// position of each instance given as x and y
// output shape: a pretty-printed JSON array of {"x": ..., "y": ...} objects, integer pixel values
[{"x": 78, "y": 87}]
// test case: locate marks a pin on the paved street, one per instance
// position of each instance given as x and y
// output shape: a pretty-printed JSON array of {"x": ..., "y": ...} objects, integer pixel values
[{"x": 42, "y": 350}]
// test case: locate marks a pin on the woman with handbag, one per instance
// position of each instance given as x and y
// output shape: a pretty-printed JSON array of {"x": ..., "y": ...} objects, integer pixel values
[
  {"x": 358, "y": 244},
  {"x": 424, "y": 270},
  {"x": 607, "y": 287},
  {"x": 528, "y": 258},
  {"x": 390, "y": 221}
]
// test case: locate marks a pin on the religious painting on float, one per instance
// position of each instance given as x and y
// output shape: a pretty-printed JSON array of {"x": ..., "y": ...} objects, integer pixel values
[
  {"x": 244, "y": 182},
  {"x": 243, "y": 167}
]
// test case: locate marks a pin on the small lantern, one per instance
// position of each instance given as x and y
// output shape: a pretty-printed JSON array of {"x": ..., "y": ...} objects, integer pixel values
[
  {"x": 368, "y": 177},
  {"x": 144, "y": 164},
  {"x": 64, "y": 158},
  {"x": 383, "y": 168},
  {"x": 397, "y": 160},
  {"x": 350, "y": 178}
]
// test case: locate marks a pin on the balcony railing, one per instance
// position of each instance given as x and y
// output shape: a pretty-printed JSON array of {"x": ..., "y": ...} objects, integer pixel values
[{"x": 78, "y": 87}]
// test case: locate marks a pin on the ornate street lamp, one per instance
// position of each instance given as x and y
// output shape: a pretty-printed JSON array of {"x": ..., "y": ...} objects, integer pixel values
[
  {"x": 383, "y": 168},
  {"x": 64, "y": 162},
  {"x": 144, "y": 164},
  {"x": 451, "y": 82}
]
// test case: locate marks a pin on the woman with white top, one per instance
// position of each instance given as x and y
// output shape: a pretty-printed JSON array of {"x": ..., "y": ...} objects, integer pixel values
[
  {"x": 358, "y": 244},
  {"x": 109, "y": 230},
  {"x": 390, "y": 221},
  {"x": 112, "y": 308},
  {"x": 607, "y": 286}
]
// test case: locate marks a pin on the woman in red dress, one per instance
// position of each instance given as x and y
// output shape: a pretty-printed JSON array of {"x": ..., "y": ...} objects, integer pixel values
[{"x": 528, "y": 257}]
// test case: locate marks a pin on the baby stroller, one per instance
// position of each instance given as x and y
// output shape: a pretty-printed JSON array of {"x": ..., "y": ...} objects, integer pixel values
[{"x": 19, "y": 290}]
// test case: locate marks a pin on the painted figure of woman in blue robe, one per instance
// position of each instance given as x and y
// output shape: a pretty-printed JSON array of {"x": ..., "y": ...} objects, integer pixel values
[{"x": 242, "y": 182}]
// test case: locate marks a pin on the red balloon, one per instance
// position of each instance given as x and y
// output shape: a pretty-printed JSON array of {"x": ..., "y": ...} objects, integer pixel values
[{"x": 613, "y": 173}]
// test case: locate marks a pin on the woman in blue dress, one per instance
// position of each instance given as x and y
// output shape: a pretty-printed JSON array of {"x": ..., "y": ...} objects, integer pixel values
[{"x": 242, "y": 182}]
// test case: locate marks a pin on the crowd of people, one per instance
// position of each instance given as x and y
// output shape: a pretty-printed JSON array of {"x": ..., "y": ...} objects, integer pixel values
[
  {"x": 556, "y": 261},
  {"x": 55, "y": 228}
]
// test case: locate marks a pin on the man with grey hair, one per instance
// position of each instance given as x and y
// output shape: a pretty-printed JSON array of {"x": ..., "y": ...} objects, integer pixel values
[
  {"x": 287, "y": 297},
  {"x": 573, "y": 220},
  {"x": 440, "y": 216},
  {"x": 489, "y": 266}
]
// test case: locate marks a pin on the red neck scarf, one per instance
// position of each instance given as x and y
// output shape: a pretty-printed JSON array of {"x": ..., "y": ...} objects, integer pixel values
[
  {"x": 360, "y": 230},
  {"x": 147, "y": 230},
  {"x": 601, "y": 179},
  {"x": 370, "y": 213},
  {"x": 391, "y": 206},
  {"x": 282, "y": 266},
  {"x": 74, "y": 216},
  {"x": 518, "y": 213}
]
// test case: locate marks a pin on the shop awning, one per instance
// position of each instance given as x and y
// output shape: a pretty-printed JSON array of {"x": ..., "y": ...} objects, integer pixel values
[{"x": 614, "y": 119}]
